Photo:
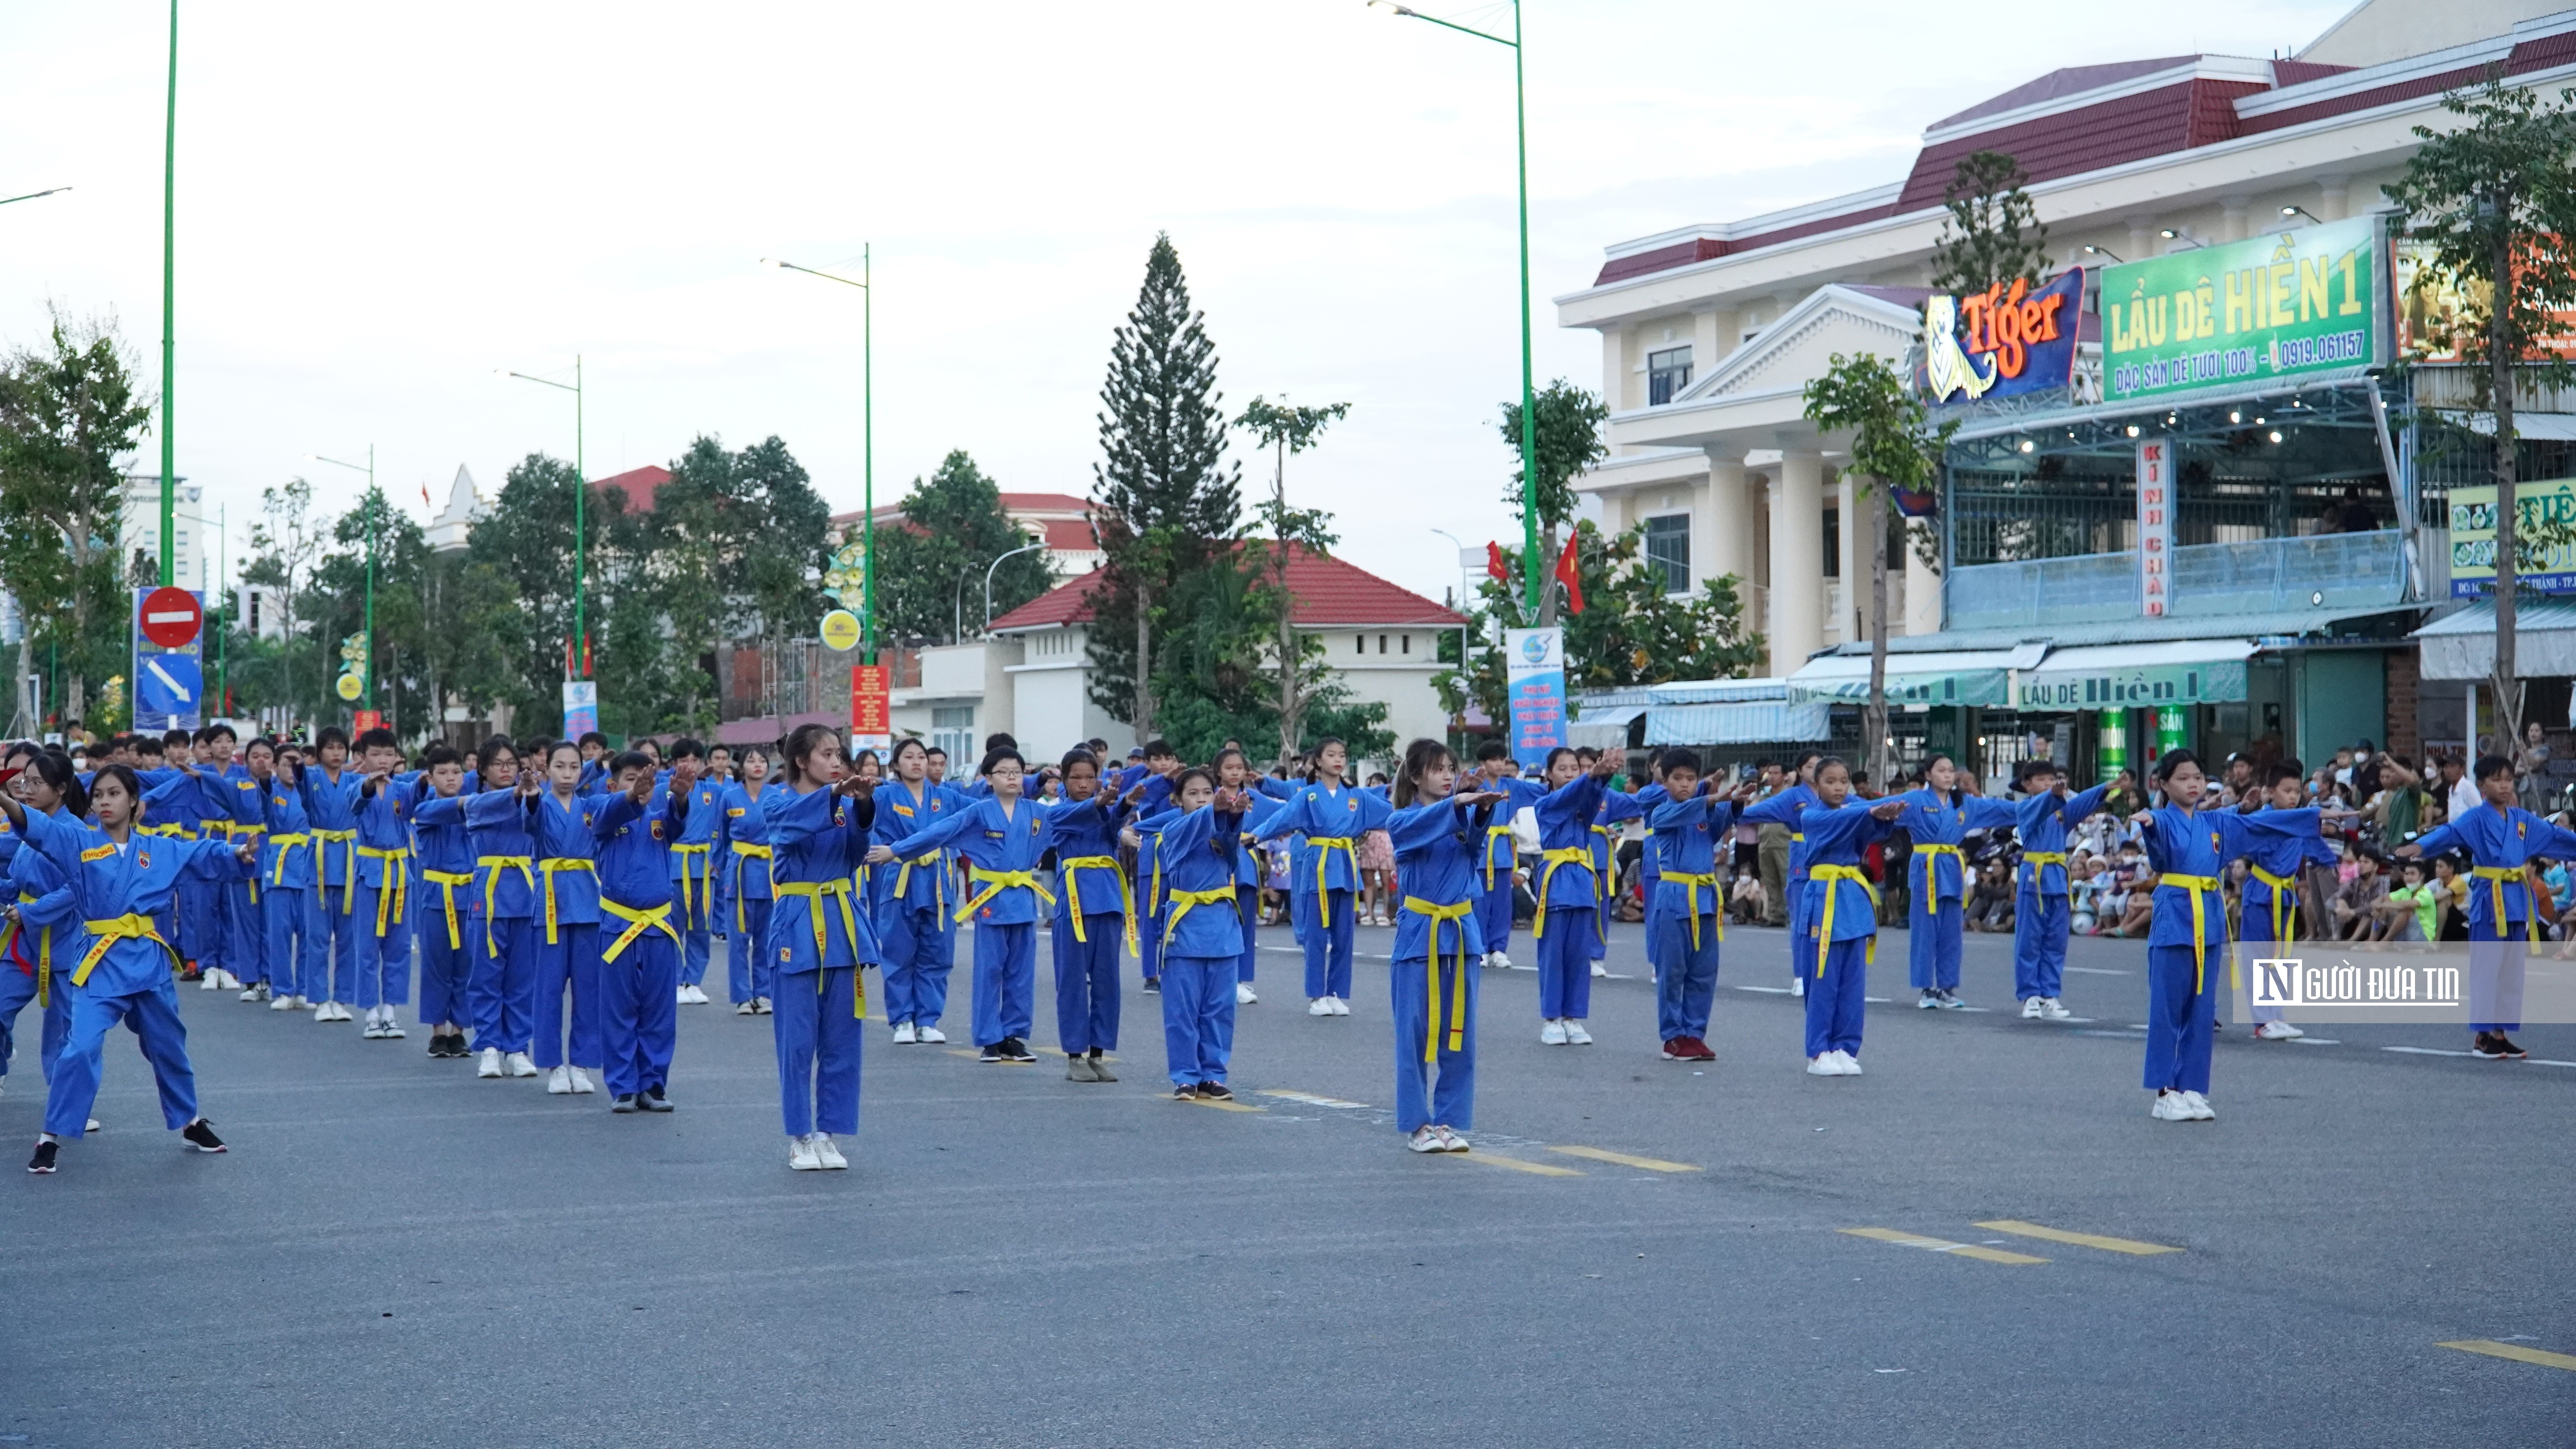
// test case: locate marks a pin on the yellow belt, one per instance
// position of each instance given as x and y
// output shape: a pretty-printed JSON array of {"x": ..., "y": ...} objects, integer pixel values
[
  {"x": 1825, "y": 928},
  {"x": 741, "y": 853},
  {"x": 2285, "y": 903},
  {"x": 493, "y": 865},
  {"x": 687, "y": 901},
  {"x": 284, "y": 843},
  {"x": 2495, "y": 876},
  {"x": 1456, "y": 915},
  {"x": 175, "y": 832},
  {"x": 1070, "y": 870},
  {"x": 128, "y": 927},
  {"x": 2199, "y": 886},
  {"x": 1323, "y": 845},
  {"x": 447, "y": 881},
  {"x": 235, "y": 831},
  {"x": 938, "y": 878},
  {"x": 1692, "y": 881},
  {"x": 547, "y": 867},
  {"x": 1932, "y": 877},
  {"x": 1490, "y": 832},
  {"x": 1571, "y": 855},
  {"x": 44, "y": 949},
  {"x": 2039, "y": 861},
  {"x": 838, "y": 888},
  {"x": 998, "y": 881},
  {"x": 321, "y": 861},
  {"x": 637, "y": 923},
  {"x": 395, "y": 893},
  {"x": 1601, "y": 872},
  {"x": 1184, "y": 900}
]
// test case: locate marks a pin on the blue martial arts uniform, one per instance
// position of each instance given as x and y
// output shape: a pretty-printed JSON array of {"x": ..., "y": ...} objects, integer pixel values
[
  {"x": 1329, "y": 821},
  {"x": 1789, "y": 807},
  {"x": 639, "y": 967},
  {"x": 910, "y": 902},
  {"x": 1247, "y": 880},
  {"x": 2502, "y": 921},
  {"x": 1202, "y": 942},
  {"x": 1687, "y": 919},
  {"x": 1938, "y": 883},
  {"x": 821, "y": 941},
  {"x": 567, "y": 930},
  {"x": 31, "y": 968},
  {"x": 1145, "y": 887},
  {"x": 299, "y": 961},
  {"x": 1498, "y": 859},
  {"x": 1605, "y": 860},
  {"x": 1433, "y": 979},
  {"x": 1568, "y": 892},
  {"x": 1842, "y": 924},
  {"x": 2271, "y": 900},
  {"x": 383, "y": 895},
  {"x": 1002, "y": 850},
  {"x": 749, "y": 973},
  {"x": 243, "y": 801},
  {"x": 2040, "y": 918},
  {"x": 693, "y": 877},
  {"x": 331, "y": 803},
  {"x": 1094, "y": 913},
  {"x": 449, "y": 923},
  {"x": 2189, "y": 849},
  {"x": 505, "y": 973}
]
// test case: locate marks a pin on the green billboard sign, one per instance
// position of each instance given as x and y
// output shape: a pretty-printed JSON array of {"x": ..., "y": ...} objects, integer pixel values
[{"x": 2295, "y": 304}]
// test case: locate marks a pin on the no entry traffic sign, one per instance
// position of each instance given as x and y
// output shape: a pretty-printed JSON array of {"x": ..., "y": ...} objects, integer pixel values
[{"x": 171, "y": 617}]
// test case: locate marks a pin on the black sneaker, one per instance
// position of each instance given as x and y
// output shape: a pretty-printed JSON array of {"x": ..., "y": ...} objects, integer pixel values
[
  {"x": 623, "y": 1104},
  {"x": 1182, "y": 1094},
  {"x": 1215, "y": 1090},
  {"x": 2488, "y": 1045},
  {"x": 1153, "y": 986},
  {"x": 2506, "y": 1047},
  {"x": 655, "y": 1101},
  {"x": 1931, "y": 1001},
  {"x": 201, "y": 1136},
  {"x": 43, "y": 1161},
  {"x": 992, "y": 1053},
  {"x": 1016, "y": 1050}
]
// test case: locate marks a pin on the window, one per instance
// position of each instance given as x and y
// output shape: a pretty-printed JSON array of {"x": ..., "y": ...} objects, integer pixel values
[
  {"x": 1667, "y": 373},
  {"x": 1833, "y": 543},
  {"x": 952, "y": 728},
  {"x": 1407, "y": 643},
  {"x": 1360, "y": 641},
  {"x": 1381, "y": 643},
  {"x": 1668, "y": 550}
]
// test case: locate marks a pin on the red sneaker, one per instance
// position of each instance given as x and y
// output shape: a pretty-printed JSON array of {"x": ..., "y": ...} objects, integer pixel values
[{"x": 1695, "y": 1050}]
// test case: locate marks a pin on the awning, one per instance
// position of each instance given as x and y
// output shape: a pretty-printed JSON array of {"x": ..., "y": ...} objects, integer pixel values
[
  {"x": 1978, "y": 676},
  {"x": 2462, "y": 645},
  {"x": 1717, "y": 691},
  {"x": 1602, "y": 727},
  {"x": 2288, "y": 625},
  {"x": 2137, "y": 676},
  {"x": 2547, "y": 427},
  {"x": 1760, "y": 723}
]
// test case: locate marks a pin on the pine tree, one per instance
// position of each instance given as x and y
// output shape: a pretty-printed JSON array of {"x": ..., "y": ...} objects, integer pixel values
[
  {"x": 1994, "y": 234},
  {"x": 1166, "y": 493}
]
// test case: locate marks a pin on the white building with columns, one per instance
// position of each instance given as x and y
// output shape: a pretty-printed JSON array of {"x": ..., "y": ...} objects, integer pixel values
[{"x": 1709, "y": 332}]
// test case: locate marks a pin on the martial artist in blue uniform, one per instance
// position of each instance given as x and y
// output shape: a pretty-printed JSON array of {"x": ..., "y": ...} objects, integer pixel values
[
  {"x": 119, "y": 880},
  {"x": 241, "y": 801},
  {"x": 1497, "y": 854},
  {"x": 299, "y": 959},
  {"x": 1329, "y": 817},
  {"x": 1196, "y": 847},
  {"x": 449, "y": 923},
  {"x": 559, "y": 828},
  {"x": 2271, "y": 897},
  {"x": 639, "y": 968},
  {"x": 330, "y": 792},
  {"x": 1937, "y": 818},
  {"x": 43, "y": 911},
  {"x": 504, "y": 994},
  {"x": 751, "y": 979},
  {"x": 693, "y": 867},
  {"x": 1001, "y": 839},
  {"x": 1146, "y": 790},
  {"x": 1691, "y": 826},
  {"x": 2501, "y": 839},
  {"x": 383, "y": 896},
  {"x": 909, "y": 900},
  {"x": 2040, "y": 916},
  {"x": 1568, "y": 895},
  {"x": 1438, "y": 837},
  {"x": 205, "y": 935},
  {"x": 1605, "y": 856},
  {"x": 819, "y": 823},
  {"x": 1234, "y": 772},
  {"x": 1788, "y": 806},
  {"x": 1094, "y": 914},
  {"x": 1841, "y": 917}
]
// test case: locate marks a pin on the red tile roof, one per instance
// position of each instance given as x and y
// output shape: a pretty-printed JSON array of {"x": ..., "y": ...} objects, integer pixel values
[
  {"x": 638, "y": 484},
  {"x": 1330, "y": 594},
  {"x": 1069, "y": 535}
]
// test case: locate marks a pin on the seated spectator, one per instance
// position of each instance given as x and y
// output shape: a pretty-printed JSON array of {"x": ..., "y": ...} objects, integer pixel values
[
  {"x": 2082, "y": 885},
  {"x": 2355, "y": 900},
  {"x": 1990, "y": 906},
  {"x": 2141, "y": 909},
  {"x": 2451, "y": 885},
  {"x": 1745, "y": 901}
]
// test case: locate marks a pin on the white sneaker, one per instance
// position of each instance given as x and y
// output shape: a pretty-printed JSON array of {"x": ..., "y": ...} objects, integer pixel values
[
  {"x": 1243, "y": 994},
  {"x": 2277, "y": 1031},
  {"x": 681, "y": 994},
  {"x": 2034, "y": 1008},
  {"x": 255, "y": 993},
  {"x": 1427, "y": 1139},
  {"x": 1340, "y": 1007},
  {"x": 2170, "y": 1107},
  {"x": 930, "y": 1035},
  {"x": 375, "y": 1030},
  {"x": 1575, "y": 1035},
  {"x": 1552, "y": 1034},
  {"x": 559, "y": 1082},
  {"x": 1500, "y": 960},
  {"x": 490, "y": 1064},
  {"x": 1320, "y": 1006},
  {"x": 830, "y": 1152},
  {"x": 2054, "y": 1008},
  {"x": 745, "y": 1008},
  {"x": 801, "y": 1156},
  {"x": 2199, "y": 1107},
  {"x": 210, "y": 980},
  {"x": 698, "y": 996},
  {"x": 1486, "y": 961},
  {"x": 760, "y": 1006},
  {"x": 232, "y": 982},
  {"x": 521, "y": 1065},
  {"x": 1798, "y": 984},
  {"x": 284, "y": 1003},
  {"x": 1824, "y": 1065},
  {"x": 904, "y": 1035},
  {"x": 1600, "y": 970},
  {"x": 1849, "y": 1063},
  {"x": 1452, "y": 1139},
  {"x": 581, "y": 1082},
  {"x": 392, "y": 1029}
]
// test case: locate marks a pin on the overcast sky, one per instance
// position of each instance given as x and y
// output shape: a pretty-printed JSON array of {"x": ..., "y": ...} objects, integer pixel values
[{"x": 380, "y": 205}]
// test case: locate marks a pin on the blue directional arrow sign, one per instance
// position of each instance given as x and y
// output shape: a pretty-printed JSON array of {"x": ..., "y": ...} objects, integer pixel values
[{"x": 168, "y": 687}]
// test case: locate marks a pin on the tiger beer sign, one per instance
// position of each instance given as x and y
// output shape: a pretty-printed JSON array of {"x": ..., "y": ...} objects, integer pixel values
[{"x": 2002, "y": 342}]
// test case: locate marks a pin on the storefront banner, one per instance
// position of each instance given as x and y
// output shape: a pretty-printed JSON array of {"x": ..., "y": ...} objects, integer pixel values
[
  {"x": 2155, "y": 527},
  {"x": 2432, "y": 311},
  {"x": 2292, "y": 304},
  {"x": 2001, "y": 342},
  {"x": 2050, "y": 690},
  {"x": 1536, "y": 665},
  {"x": 2473, "y": 541}
]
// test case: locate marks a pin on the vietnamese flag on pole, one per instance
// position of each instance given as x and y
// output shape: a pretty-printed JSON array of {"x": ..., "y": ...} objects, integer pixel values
[
  {"x": 1494, "y": 565},
  {"x": 1570, "y": 575}
]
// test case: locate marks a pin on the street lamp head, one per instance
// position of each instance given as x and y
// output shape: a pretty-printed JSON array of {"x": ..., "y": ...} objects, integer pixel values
[
  {"x": 771, "y": 262},
  {"x": 1390, "y": 5}
]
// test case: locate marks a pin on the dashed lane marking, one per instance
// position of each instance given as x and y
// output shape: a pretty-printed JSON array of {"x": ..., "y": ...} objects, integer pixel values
[
  {"x": 2130, "y": 1246},
  {"x": 1312, "y": 1100},
  {"x": 1942, "y": 1245},
  {"x": 2096, "y": 971},
  {"x": 2514, "y": 1351},
  {"x": 1219, "y": 1104},
  {"x": 2443, "y": 1052},
  {"x": 1516, "y": 1164},
  {"x": 1650, "y": 1164}
]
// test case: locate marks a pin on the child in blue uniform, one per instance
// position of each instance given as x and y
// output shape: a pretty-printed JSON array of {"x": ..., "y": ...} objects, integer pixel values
[
  {"x": 330, "y": 793},
  {"x": 693, "y": 872},
  {"x": 240, "y": 812},
  {"x": 298, "y": 951},
  {"x": 1094, "y": 914},
  {"x": 750, "y": 978},
  {"x": 1568, "y": 893},
  {"x": 1146, "y": 790},
  {"x": 1498, "y": 853},
  {"x": 2040, "y": 917},
  {"x": 1331, "y": 817},
  {"x": 43, "y": 911},
  {"x": 2271, "y": 903},
  {"x": 1202, "y": 932},
  {"x": 1841, "y": 917},
  {"x": 449, "y": 924},
  {"x": 909, "y": 898},
  {"x": 1691, "y": 825},
  {"x": 1001, "y": 839},
  {"x": 2501, "y": 840},
  {"x": 639, "y": 969},
  {"x": 818, "y": 821},
  {"x": 383, "y": 893},
  {"x": 1233, "y": 770},
  {"x": 504, "y": 994},
  {"x": 567, "y": 934},
  {"x": 119, "y": 880},
  {"x": 1788, "y": 806},
  {"x": 1937, "y": 818},
  {"x": 1438, "y": 838}
]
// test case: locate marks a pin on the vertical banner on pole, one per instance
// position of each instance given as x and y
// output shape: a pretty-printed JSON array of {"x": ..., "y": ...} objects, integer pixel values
[
  {"x": 580, "y": 707},
  {"x": 871, "y": 709},
  {"x": 1537, "y": 684},
  {"x": 2173, "y": 727},
  {"x": 2155, "y": 526},
  {"x": 2111, "y": 749}
]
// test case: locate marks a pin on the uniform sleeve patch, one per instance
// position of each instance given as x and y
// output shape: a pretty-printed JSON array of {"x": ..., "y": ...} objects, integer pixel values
[{"x": 98, "y": 852}]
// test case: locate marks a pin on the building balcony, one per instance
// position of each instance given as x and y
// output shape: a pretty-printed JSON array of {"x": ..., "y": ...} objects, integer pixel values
[{"x": 2216, "y": 581}]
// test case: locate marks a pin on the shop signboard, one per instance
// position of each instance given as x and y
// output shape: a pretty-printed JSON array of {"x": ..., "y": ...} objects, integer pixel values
[
  {"x": 2001, "y": 342},
  {"x": 2545, "y": 510},
  {"x": 2155, "y": 527},
  {"x": 2303, "y": 303},
  {"x": 2138, "y": 686},
  {"x": 2433, "y": 310}
]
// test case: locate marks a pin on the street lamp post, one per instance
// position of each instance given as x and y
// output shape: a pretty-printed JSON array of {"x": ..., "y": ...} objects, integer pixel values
[
  {"x": 580, "y": 512},
  {"x": 1533, "y": 568},
  {"x": 368, "y": 468},
  {"x": 867, "y": 432},
  {"x": 32, "y": 195},
  {"x": 988, "y": 578}
]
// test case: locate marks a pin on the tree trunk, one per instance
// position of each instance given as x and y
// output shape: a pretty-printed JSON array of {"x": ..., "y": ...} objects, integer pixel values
[
  {"x": 1144, "y": 710},
  {"x": 1547, "y": 578},
  {"x": 32, "y": 723},
  {"x": 1874, "y": 724},
  {"x": 2500, "y": 360}
]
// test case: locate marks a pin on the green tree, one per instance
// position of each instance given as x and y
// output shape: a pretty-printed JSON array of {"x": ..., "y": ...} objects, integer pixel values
[
  {"x": 527, "y": 539},
  {"x": 1167, "y": 496},
  {"x": 1288, "y": 429},
  {"x": 69, "y": 412},
  {"x": 1569, "y": 441},
  {"x": 1993, "y": 234},
  {"x": 2494, "y": 203},
  {"x": 930, "y": 567},
  {"x": 284, "y": 545}
]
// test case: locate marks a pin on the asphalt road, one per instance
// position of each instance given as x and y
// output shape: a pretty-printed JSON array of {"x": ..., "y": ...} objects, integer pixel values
[{"x": 396, "y": 1253}]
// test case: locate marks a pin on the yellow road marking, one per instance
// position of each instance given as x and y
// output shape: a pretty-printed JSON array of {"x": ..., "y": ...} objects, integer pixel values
[
  {"x": 2515, "y": 1351},
  {"x": 973, "y": 1055},
  {"x": 2082, "y": 1240},
  {"x": 1941, "y": 1245},
  {"x": 1650, "y": 1164},
  {"x": 1310, "y": 1099},
  {"x": 1542, "y": 1169},
  {"x": 1220, "y": 1105}
]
